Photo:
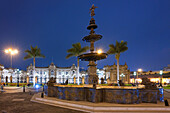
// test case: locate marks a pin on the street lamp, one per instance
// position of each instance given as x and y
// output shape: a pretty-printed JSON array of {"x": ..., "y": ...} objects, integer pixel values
[
  {"x": 161, "y": 72},
  {"x": 134, "y": 73},
  {"x": 122, "y": 75},
  {"x": 11, "y": 52},
  {"x": 140, "y": 70},
  {"x": 137, "y": 73}
]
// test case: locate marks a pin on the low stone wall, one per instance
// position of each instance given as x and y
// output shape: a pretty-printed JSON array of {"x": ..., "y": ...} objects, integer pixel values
[{"x": 110, "y": 95}]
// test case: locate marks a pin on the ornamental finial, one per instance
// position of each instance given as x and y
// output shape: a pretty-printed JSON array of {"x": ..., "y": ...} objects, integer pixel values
[{"x": 92, "y": 10}]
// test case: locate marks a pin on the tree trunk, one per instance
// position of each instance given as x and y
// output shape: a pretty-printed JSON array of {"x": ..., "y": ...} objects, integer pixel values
[
  {"x": 78, "y": 70},
  {"x": 117, "y": 70},
  {"x": 34, "y": 73},
  {"x": 117, "y": 58}
]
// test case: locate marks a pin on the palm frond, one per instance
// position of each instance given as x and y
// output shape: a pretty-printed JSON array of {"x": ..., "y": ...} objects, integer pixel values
[
  {"x": 69, "y": 55},
  {"x": 118, "y": 48},
  {"x": 76, "y": 50},
  {"x": 72, "y": 50},
  {"x": 27, "y": 57},
  {"x": 84, "y": 49},
  {"x": 35, "y": 52},
  {"x": 29, "y": 52}
]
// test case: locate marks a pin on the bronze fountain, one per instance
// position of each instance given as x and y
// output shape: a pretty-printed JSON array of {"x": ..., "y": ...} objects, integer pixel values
[{"x": 93, "y": 56}]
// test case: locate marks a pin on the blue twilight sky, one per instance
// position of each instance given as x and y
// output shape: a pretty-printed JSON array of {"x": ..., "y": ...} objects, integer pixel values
[{"x": 54, "y": 25}]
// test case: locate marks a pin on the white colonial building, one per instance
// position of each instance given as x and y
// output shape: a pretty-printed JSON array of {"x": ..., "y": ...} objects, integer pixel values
[
  {"x": 11, "y": 75},
  {"x": 60, "y": 74}
]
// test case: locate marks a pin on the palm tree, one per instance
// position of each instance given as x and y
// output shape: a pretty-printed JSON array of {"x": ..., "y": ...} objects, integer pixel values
[
  {"x": 33, "y": 53},
  {"x": 76, "y": 51},
  {"x": 116, "y": 50}
]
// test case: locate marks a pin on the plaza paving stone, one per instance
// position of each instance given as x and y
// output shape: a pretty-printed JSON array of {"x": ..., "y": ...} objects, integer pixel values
[
  {"x": 7, "y": 105},
  {"x": 26, "y": 106}
]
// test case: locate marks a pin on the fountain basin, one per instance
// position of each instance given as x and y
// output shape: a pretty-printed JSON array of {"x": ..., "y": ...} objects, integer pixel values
[
  {"x": 110, "y": 94},
  {"x": 92, "y": 56},
  {"x": 92, "y": 37}
]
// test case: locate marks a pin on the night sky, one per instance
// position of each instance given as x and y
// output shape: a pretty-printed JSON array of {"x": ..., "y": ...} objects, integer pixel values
[{"x": 54, "y": 25}]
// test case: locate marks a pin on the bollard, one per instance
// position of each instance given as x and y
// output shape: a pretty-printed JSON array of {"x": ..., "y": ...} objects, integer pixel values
[
  {"x": 42, "y": 95},
  {"x": 2, "y": 87},
  {"x": 166, "y": 102},
  {"x": 23, "y": 88}
]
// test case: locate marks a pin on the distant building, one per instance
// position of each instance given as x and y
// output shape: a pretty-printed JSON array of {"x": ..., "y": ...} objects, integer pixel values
[
  {"x": 11, "y": 75},
  {"x": 167, "y": 68},
  {"x": 154, "y": 76},
  {"x": 60, "y": 74},
  {"x": 111, "y": 73}
]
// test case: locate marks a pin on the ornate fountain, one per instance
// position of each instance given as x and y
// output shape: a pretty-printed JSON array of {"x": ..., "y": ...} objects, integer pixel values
[
  {"x": 93, "y": 56},
  {"x": 99, "y": 93}
]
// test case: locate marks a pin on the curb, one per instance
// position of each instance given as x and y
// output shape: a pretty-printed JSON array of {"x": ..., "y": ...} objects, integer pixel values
[{"x": 99, "y": 109}]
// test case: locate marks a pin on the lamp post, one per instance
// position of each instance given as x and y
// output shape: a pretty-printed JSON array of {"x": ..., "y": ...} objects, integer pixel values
[
  {"x": 11, "y": 52},
  {"x": 134, "y": 73},
  {"x": 18, "y": 72},
  {"x": 137, "y": 73},
  {"x": 161, "y": 72},
  {"x": 139, "y": 70}
]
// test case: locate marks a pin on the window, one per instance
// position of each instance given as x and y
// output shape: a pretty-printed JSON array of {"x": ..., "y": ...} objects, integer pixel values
[
  {"x": 41, "y": 72},
  {"x": 52, "y": 72},
  {"x": 59, "y": 72},
  {"x": 62, "y": 73},
  {"x": 67, "y": 73},
  {"x": 31, "y": 72}
]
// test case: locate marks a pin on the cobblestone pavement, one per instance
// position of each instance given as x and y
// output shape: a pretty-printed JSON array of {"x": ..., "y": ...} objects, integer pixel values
[
  {"x": 167, "y": 93},
  {"x": 20, "y": 103}
]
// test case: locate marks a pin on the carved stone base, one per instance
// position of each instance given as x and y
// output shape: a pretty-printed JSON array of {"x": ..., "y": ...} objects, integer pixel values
[{"x": 91, "y": 79}]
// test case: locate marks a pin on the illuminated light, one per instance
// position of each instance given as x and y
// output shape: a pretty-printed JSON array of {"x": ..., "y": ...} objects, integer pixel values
[
  {"x": 134, "y": 73},
  {"x": 140, "y": 70},
  {"x": 161, "y": 72},
  {"x": 16, "y": 51},
  {"x": 122, "y": 75},
  {"x": 6, "y": 51},
  {"x": 10, "y": 50},
  {"x": 99, "y": 51},
  {"x": 37, "y": 86}
]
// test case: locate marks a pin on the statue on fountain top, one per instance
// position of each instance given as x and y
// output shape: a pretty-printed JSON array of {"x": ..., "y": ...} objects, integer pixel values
[{"x": 92, "y": 10}]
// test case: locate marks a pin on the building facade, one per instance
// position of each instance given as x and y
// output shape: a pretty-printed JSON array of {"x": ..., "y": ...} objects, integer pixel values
[
  {"x": 111, "y": 73},
  {"x": 167, "y": 68},
  {"x": 154, "y": 76},
  {"x": 12, "y": 75},
  {"x": 60, "y": 74}
]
